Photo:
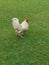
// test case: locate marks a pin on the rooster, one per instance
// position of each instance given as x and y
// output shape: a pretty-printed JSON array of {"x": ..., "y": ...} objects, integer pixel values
[{"x": 20, "y": 28}]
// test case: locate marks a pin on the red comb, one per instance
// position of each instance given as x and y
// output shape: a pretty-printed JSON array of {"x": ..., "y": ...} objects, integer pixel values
[{"x": 27, "y": 20}]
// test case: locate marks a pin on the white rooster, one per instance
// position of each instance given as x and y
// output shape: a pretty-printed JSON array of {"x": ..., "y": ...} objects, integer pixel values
[{"x": 20, "y": 28}]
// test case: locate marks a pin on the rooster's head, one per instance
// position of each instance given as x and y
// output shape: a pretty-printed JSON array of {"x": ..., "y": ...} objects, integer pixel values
[{"x": 26, "y": 20}]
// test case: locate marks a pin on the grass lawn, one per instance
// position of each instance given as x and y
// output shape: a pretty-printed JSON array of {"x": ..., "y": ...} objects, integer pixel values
[{"x": 33, "y": 49}]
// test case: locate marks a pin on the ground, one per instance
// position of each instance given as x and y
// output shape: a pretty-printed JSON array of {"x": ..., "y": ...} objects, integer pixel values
[{"x": 33, "y": 49}]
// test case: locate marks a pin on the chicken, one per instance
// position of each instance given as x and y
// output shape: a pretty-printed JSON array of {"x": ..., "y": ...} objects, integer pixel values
[{"x": 20, "y": 28}]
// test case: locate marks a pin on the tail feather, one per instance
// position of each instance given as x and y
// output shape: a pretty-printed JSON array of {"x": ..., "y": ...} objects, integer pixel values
[{"x": 15, "y": 23}]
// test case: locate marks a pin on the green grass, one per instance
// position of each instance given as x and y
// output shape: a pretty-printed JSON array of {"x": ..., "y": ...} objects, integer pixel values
[{"x": 33, "y": 49}]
